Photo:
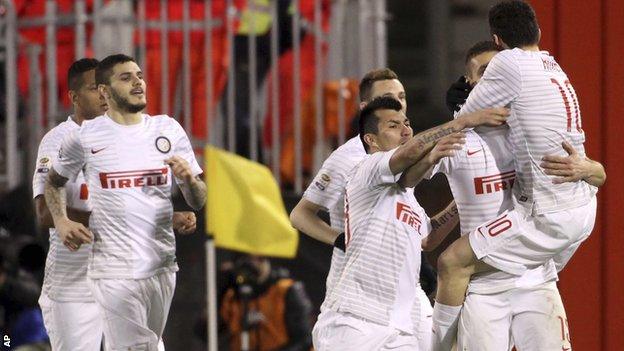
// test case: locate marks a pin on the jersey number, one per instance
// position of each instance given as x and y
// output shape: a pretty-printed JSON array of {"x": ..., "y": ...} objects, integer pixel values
[
  {"x": 497, "y": 227},
  {"x": 568, "y": 105}
]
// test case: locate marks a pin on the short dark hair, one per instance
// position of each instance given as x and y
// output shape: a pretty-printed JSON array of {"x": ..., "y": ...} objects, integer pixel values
[
  {"x": 74, "y": 74},
  {"x": 479, "y": 48},
  {"x": 104, "y": 70},
  {"x": 366, "y": 84},
  {"x": 368, "y": 122},
  {"x": 515, "y": 23}
]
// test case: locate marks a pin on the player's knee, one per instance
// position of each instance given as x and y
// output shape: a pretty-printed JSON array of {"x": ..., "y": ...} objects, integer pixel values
[{"x": 451, "y": 264}]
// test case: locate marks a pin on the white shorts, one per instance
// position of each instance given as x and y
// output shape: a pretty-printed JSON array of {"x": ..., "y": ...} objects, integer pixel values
[
  {"x": 72, "y": 326},
  {"x": 533, "y": 319},
  {"x": 426, "y": 321},
  {"x": 134, "y": 310},
  {"x": 343, "y": 332},
  {"x": 515, "y": 241}
]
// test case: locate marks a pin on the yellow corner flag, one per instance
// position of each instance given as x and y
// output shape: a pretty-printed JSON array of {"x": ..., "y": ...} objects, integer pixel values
[{"x": 245, "y": 210}]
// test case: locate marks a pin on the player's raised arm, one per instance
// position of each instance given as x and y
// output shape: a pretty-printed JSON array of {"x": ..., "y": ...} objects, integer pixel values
[
  {"x": 418, "y": 146},
  {"x": 445, "y": 147},
  {"x": 501, "y": 83}
]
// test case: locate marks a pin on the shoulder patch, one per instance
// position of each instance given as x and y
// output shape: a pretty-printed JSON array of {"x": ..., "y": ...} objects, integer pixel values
[
  {"x": 43, "y": 165},
  {"x": 323, "y": 181}
]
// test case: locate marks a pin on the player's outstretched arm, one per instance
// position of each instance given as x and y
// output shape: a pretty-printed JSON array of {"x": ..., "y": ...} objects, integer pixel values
[
  {"x": 417, "y": 147},
  {"x": 443, "y": 148},
  {"x": 44, "y": 218},
  {"x": 304, "y": 217},
  {"x": 72, "y": 234},
  {"x": 573, "y": 168},
  {"x": 441, "y": 225},
  {"x": 193, "y": 188}
]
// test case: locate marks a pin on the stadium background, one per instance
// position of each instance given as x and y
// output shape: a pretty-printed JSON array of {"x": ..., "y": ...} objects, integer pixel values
[{"x": 423, "y": 41}]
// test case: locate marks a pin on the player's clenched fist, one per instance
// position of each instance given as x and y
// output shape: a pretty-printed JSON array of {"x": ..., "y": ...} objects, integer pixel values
[
  {"x": 180, "y": 168},
  {"x": 73, "y": 234},
  {"x": 491, "y": 117},
  {"x": 184, "y": 222}
]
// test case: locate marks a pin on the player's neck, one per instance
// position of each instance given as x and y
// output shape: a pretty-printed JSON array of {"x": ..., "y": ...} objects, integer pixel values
[
  {"x": 78, "y": 118},
  {"x": 530, "y": 48},
  {"x": 124, "y": 118}
]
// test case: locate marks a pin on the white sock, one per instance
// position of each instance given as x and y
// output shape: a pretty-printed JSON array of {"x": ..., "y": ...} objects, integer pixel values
[{"x": 445, "y": 319}]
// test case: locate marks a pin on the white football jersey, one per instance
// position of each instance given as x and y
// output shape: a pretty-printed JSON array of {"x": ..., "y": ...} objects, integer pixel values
[
  {"x": 327, "y": 190},
  {"x": 384, "y": 228},
  {"x": 65, "y": 277},
  {"x": 130, "y": 189},
  {"x": 481, "y": 177},
  {"x": 544, "y": 112}
]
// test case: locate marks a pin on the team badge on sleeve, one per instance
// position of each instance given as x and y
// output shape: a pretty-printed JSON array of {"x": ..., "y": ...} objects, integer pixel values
[
  {"x": 322, "y": 182},
  {"x": 43, "y": 166},
  {"x": 163, "y": 144}
]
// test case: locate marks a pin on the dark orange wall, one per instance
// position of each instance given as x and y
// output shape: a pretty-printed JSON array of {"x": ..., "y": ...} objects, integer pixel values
[{"x": 585, "y": 37}]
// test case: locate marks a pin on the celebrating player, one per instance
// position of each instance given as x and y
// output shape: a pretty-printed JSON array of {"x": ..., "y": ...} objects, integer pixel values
[
  {"x": 549, "y": 219},
  {"x": 375, "y": 304},
  {"x": 129, "y": 160},
  {"x": 501, "y": 309}
]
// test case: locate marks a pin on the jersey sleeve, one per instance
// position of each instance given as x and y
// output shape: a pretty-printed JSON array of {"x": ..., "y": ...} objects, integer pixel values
[
  {"x": 501, "y": 84},
  {"x": 71, "y": 156},
  {"x": 375, "y": 170},
  {"x": 329, "y": 183},
  {"x": 182, "y": 147},
  {"x": 46, "y": 154}
]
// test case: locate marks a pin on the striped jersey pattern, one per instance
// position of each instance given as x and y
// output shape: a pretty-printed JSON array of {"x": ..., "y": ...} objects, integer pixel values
[
  {"x": 327, "y": 190},
  {"x": 545, "y": 111},
  {"x": 65, "y": 277},
  {"x": 130, "y": 187},
  {"x": 481, "y": 177},
  {"x": 384, "y": 228}
]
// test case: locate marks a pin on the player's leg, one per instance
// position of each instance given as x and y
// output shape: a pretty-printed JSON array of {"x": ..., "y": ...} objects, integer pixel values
[
  {"x": 485, "y": 323},
  {"x": 163, "y": 287},
  {"x": 564, "y": 256},
  {"x": 455, "y": 266},
  {"x": 539, "y": 322},
  {"x": 72, "y": 326},
  {"x": 123, "y": 304}
]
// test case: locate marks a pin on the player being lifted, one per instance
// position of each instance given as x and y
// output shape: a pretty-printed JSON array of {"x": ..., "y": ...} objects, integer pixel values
[
  {"x": 502, "y": 309},
  {"x": 549, "y": 219}
]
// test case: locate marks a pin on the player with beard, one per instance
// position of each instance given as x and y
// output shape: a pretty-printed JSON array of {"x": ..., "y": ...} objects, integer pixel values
[{"x": 129, "y": 160}]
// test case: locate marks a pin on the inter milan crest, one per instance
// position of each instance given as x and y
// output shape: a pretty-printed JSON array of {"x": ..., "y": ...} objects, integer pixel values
[{"x": 163, "y": 144}]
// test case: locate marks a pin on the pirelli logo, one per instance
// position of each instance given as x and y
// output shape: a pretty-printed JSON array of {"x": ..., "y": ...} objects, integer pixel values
[
  {"x": 405, "y": 214},
  {"x": 130, "y": 179},
  {"x": 494, "y": 183}
]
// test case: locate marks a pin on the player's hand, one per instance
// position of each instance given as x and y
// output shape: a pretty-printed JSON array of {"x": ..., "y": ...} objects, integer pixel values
[
  {"x": 73, "y": 234},
  {"x": 184, "y": 222},
  {"x": 457, "y": 94},
  {"x": 569, "y": 168},
  {"x": 180, "y": 168},
  {"x": 491, "y": 117},
  {"x": 446, "y": 147}
]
